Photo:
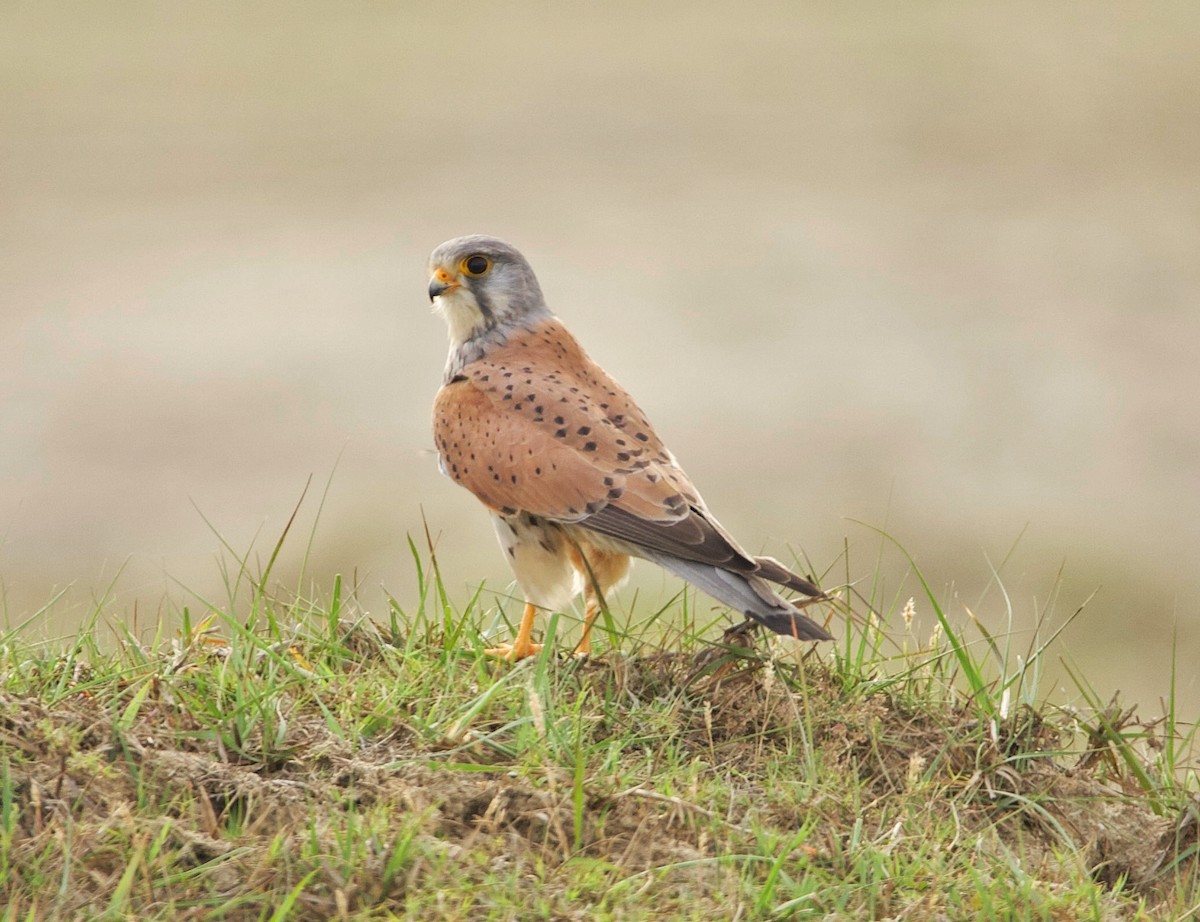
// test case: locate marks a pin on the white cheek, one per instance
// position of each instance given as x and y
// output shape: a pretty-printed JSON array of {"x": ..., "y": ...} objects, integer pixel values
[
  {"x": 461, "y": 313},
  {"x": 498, "y": 304}
]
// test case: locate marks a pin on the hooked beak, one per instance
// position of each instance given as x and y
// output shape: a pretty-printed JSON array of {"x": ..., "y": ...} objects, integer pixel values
[{"x": 441, "y": 283}]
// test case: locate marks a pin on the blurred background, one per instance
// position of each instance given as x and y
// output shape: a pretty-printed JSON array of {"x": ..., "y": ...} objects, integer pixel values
[{"x": 933, "y": 268}]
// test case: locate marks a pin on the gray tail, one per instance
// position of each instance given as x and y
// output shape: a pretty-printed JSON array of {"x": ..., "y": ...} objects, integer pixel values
[{"x": 749, "y": 594}]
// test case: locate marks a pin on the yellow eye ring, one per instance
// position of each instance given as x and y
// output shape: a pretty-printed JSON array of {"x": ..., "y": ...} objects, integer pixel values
[{"x": 475, "y": 265}]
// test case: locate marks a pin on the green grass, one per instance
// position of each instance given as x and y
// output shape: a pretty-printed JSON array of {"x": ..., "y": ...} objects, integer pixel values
[{"x": 293, "y": 758}]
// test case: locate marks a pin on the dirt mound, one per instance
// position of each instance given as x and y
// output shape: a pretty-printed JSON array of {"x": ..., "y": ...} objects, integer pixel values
[{"x": 367, "y": 822}]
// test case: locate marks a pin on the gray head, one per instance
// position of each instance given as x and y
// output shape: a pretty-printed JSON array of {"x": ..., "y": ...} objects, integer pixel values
[{"x": 480, "y": 284}]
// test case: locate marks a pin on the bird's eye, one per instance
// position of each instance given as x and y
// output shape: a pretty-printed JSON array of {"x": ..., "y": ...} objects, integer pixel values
[{"x": 475, "y": 265}]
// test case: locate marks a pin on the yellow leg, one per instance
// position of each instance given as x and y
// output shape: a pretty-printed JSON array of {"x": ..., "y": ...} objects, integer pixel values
[
  {"x": 523, "y": 646},
  {"x": 584, "y": 647},
  {"x": 601, "y": 570}
]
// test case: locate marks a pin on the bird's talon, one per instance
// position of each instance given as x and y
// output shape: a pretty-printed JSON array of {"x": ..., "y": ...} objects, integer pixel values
[{"x": 513, "y": 652}]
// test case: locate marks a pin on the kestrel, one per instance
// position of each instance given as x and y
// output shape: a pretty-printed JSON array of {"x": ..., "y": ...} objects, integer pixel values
[{"x": 574, "y": 476}]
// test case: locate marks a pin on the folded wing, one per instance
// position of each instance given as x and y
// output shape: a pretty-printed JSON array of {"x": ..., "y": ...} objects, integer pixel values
[{"x": 524, "y": 436}]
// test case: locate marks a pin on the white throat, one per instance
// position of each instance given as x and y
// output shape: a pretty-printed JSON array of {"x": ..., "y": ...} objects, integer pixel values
[{"x": 461, "y": 313}]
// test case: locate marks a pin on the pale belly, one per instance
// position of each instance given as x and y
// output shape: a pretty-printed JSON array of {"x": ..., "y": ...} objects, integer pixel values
[
  {"x": 542, "y": 556},
  {"x": 540, "y": 559}
]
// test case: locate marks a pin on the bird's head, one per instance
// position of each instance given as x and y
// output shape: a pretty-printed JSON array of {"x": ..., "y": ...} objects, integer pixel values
[{"x": 479, "y": 283}]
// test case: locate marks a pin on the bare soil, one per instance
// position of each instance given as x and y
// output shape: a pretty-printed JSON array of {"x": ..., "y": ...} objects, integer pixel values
[{"x": 80, "y": 778}]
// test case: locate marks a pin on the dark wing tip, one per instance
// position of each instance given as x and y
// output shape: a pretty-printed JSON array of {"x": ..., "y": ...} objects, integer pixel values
[
  {"x": 771, "y": 569},
  {"x": 792, "y": 624}
]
